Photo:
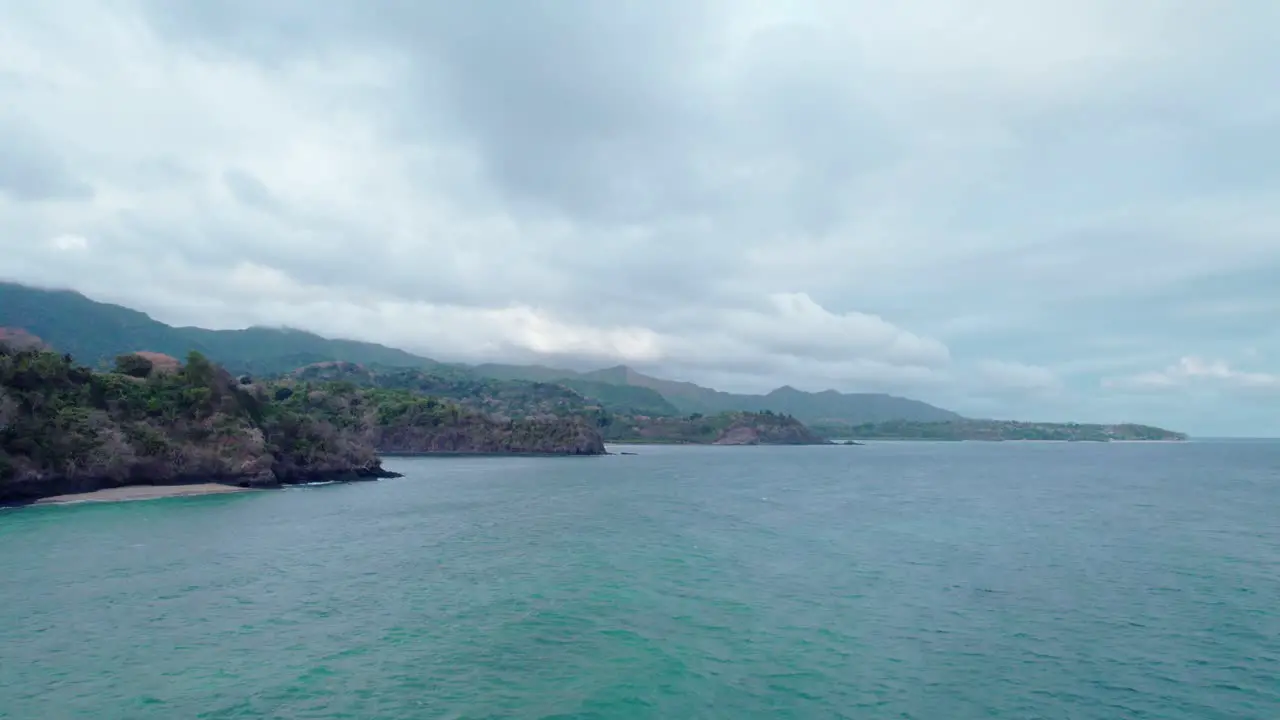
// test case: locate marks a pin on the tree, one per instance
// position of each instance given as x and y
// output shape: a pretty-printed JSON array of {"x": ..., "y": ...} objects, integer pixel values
[{"x": 134, "y": 365}]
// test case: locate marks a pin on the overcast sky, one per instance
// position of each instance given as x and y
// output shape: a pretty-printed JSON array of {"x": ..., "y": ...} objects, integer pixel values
[{"x": 1061, "y": 209}]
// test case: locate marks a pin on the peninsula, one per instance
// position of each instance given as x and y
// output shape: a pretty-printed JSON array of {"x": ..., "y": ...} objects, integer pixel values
[
  {"x": 998, "y": 430},
  {"x": 150, "y": 420}
]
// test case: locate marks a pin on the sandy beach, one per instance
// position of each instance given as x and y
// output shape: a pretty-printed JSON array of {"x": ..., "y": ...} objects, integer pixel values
[{"x": 141, "y": 492}]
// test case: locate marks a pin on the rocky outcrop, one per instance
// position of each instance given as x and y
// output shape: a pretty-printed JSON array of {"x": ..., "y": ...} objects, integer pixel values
[
  {"x": 19, "y": 339},
  {"x": 768, "y": 429},
  {"x": 65, "y": 429},
  {"x": 160, "y": 363}
]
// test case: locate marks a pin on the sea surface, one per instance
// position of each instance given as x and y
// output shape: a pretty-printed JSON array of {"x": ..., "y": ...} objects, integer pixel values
[{"x": 894, "y": 580}]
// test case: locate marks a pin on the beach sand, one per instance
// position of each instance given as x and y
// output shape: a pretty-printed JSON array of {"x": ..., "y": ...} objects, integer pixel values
[{"x": 141, "y": 492}]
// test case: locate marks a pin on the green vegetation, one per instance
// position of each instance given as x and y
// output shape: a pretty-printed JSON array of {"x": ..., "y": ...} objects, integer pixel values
[
  {"x": 95, "y": 333},
  {"x": 994, "y": 430},
  {"x": 398, "y": 420},
  {"x": 500, "y": 398},
  {"x": 618, "y": 418},
  {"x": 730, "y": 428},
  {"x": 65, "y": 428},
  {"x": 622, "y": 399},
  {"x": 615, "y": 397}
]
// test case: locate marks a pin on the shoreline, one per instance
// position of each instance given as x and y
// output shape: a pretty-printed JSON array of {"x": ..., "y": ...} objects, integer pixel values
[
  {"x": 127, "y": 493},
  {"x": 180, "y": 486}
]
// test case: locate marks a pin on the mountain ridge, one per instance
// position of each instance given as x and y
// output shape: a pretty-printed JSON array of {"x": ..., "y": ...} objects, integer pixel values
[
  {"x": 96, "y": 332},
  {"x": 687, "y": 397}
]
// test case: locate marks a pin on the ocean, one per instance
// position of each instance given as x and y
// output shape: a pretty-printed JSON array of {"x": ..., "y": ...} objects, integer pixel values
[{"x": 941, "y": 581}]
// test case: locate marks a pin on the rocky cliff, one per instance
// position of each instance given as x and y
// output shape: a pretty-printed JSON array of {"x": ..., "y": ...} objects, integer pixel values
[{"x": 67, "y": 429}]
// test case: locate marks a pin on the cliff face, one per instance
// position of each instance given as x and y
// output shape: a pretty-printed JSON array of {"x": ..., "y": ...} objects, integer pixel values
[{"x": 66, "y": 429}]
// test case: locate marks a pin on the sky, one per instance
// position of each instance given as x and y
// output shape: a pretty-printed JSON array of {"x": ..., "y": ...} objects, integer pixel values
[{"x": 1059, "y": 210}]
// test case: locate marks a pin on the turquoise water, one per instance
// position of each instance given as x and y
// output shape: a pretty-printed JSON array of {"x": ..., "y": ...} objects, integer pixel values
[{"x": 946, "y": 581}]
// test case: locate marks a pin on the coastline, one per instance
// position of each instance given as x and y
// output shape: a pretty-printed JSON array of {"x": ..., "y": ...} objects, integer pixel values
[
  {"x": 107, "y": 491},
  {"x": 141, "y": 492}
]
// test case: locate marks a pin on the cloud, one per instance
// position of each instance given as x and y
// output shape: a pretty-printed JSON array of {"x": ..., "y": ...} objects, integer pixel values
[
  {"x": 69, "y": 243},
  {"x": 249, "y": 190},
  {"x": 32, "y": 171},
  {"x": 967, "y": 204},
  {"x": 1002, "y": 376},
  {"x": 796, "y": 325},
  {"x": 1193, "y": 371}
]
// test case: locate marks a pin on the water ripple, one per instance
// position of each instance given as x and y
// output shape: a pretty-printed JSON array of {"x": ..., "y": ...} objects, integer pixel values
[{"x": 886, "y": 581}]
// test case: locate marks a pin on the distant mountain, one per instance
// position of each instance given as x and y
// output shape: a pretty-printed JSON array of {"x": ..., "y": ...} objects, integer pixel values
[
  {"x": 627, "y": 399},
  {"x": 95, "y": 333},
  {"x": 621, "y": 397},
  {"x": 532, "y": 373},
  {"x": 828, "y": 406},
  {"x": 853, "y": 408}
]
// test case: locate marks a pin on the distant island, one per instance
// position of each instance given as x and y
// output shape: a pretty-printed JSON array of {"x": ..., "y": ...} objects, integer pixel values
[{"x": 997, "y": 430}]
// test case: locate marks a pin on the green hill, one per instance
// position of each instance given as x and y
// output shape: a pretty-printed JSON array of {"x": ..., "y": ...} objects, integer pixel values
[
  {"x": 617, "y": 397},
  {"x": 95, "y": 333},
  {"x": 625, "y": 399},
  {"x": 687, "y": 397},
  {"x": 502, "y": 398}
]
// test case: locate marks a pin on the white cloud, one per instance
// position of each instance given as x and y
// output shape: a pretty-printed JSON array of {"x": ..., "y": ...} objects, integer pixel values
[
  {"x": 795, "y": 324},
  {"x": 69, "y": 243},
  {"x": 1192, "y": 371},
  {"x": 1000, "y": 376},
  {"x": 823, "y": 194}
]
